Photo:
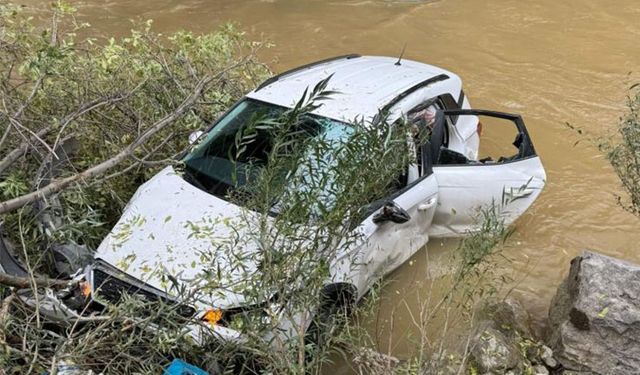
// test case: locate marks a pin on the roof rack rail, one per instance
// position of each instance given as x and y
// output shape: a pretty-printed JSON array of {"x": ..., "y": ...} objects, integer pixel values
[
  {"x": 306, "y": 66},
  {"x": 412, "y": 89}
]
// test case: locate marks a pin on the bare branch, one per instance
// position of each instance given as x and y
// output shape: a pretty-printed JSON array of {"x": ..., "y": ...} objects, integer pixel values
[
  {"x": 29, "y": 99},
  {"x": 27, "y": 282},
  {"x": 97, "y": 170},
  {"x": 15, "y": 154},
  {"x": 34, "y": 136}
]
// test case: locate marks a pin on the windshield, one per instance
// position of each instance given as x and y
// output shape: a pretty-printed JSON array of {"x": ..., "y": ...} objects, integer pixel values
[{"x": 210, "y": 166}]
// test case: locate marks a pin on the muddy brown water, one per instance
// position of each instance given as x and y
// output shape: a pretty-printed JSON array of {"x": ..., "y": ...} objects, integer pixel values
[{"x": 552, "y": 61}]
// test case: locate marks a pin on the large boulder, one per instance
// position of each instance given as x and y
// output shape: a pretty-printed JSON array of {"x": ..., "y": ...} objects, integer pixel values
[{"x": 595, "y": 316}]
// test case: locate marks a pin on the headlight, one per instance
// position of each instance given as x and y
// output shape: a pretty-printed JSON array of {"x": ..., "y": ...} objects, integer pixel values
[
  {"x": 212, "y": 316},
  {"x": 85, "y": 289},
  {"x": 238, "y": 318}
]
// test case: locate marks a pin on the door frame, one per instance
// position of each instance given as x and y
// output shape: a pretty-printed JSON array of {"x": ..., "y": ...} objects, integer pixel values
[{"x": 440, "y": 134}]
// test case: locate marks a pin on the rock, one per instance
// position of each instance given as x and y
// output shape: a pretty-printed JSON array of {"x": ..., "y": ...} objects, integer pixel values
[
  {"x": 595, "y": 316},
  {"x": 493, "y": 352},
  {"x": 540, "y": 370},
  {"x": 510, "y": 317},
  {"x": 546, "y": 355},
  {"x": 445, "y": 363}
]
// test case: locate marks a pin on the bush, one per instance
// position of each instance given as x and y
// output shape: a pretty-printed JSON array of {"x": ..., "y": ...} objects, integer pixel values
[
  {"x": 106, "y": 97},
  {"x": 624, "y": 152}
]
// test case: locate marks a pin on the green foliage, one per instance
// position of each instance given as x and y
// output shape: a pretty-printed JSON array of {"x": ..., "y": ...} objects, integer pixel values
[
  {"x": 123, "y": 340},
  {"x": 13, "y": 185},
  {"x": 103, "y": 95},
  {"x": 624, "y": 152}
]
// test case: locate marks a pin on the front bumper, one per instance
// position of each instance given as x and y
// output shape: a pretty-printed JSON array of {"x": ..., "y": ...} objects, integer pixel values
[
  {"x": 69, "y": 306},
  {"x": 56, "y": 310}
]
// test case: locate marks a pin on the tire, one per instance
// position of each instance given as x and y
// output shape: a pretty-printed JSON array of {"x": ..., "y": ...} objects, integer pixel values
[{"x": 337, "y": 301}]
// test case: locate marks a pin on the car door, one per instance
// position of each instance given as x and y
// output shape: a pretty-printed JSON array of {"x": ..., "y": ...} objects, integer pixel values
[
  {"x": 388, "y": 244},
  {"x": 510, "y": 182}
]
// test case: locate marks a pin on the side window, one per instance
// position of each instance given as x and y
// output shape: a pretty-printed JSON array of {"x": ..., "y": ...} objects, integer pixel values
[
  {"x": 502, "y": 138},
  {"x": 500, "y": 141}
]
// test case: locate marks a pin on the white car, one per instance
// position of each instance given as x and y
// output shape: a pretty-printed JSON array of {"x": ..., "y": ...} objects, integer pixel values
[{"x": 440, "y": 197}]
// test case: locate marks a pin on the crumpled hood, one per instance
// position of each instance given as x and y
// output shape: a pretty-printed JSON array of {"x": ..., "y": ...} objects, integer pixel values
[{"x": 169, "y": 227}]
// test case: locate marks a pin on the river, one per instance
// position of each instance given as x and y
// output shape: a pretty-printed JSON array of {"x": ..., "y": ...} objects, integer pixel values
[{"x": 555, "y": 62}]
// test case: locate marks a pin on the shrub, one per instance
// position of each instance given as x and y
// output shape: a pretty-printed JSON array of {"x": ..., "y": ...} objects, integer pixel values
[
  {"x": 146, "y": 90},
  {"x": 624, "y": 152}
]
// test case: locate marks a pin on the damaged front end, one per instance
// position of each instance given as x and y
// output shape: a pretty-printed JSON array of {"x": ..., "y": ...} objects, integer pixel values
[
  {"x": 91, "y": 291},
  {"x": 67, "y": 261},
  {"x": 61, "y": 305}
]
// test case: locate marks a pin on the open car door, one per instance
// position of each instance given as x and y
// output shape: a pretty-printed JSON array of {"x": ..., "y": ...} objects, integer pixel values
[{"x": 508, "y": 173}]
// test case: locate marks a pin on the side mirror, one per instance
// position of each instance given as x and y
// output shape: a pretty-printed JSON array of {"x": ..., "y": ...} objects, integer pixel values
[
  {"x": 391, "y": 212},
  {"x": 193, "y": 137}
]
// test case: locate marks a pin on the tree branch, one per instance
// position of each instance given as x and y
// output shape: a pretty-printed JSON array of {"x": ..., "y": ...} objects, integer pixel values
[
  {"x": 26, "y": 282},
  {"x": 99, "y": 169},
  {"x": 15, "y": 154}
]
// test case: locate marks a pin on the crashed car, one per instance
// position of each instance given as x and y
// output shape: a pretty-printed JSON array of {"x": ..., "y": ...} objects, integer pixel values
[{"x": 439, "y": 195}]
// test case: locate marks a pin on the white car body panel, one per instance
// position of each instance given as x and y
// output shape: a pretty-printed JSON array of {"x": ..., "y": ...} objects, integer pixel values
[
  {"x": 463, "y": 189},
  {"x": 389, "y": 245},
  {"x": 160, "y": 237},
  {"x": 364, "y": 85}
]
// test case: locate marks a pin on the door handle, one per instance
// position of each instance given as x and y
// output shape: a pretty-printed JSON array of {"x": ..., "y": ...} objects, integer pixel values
[{"x": 426, "y": 206}]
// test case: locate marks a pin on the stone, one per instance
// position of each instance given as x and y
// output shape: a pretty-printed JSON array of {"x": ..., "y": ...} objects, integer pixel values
[
  {"x": 510, "y": 317},
  {"x": 546, "y": 355},
  {"x": 493, "y": 352},
  {"x": 594, "y": 317},
  {"x": 540, "y": 370},
  {"x": 531, "y": 351}
]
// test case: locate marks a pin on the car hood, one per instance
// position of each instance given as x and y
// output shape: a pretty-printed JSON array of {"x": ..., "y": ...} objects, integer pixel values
[{"x": 171, "y": 230}]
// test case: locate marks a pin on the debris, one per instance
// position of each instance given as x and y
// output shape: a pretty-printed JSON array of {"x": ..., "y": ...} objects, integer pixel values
[
  {"x": 371, "y": 362},
  {"x": 70, "y": 368},
  {"x": 180, "y": 367}
]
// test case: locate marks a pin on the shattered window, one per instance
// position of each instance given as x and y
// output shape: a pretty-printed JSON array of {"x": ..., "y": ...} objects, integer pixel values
[{"x": 218, "y": 166}]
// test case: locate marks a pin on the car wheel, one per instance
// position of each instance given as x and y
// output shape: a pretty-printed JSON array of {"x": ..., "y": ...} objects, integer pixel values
[{"x": 336, "y": 305}]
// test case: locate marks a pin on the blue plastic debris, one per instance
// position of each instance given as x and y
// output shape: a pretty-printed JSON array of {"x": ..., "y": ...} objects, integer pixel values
[{"x": 180, "y": 367}]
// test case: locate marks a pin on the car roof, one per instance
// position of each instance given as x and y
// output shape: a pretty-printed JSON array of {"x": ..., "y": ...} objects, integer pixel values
[{"x": 365, "y": 84}]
